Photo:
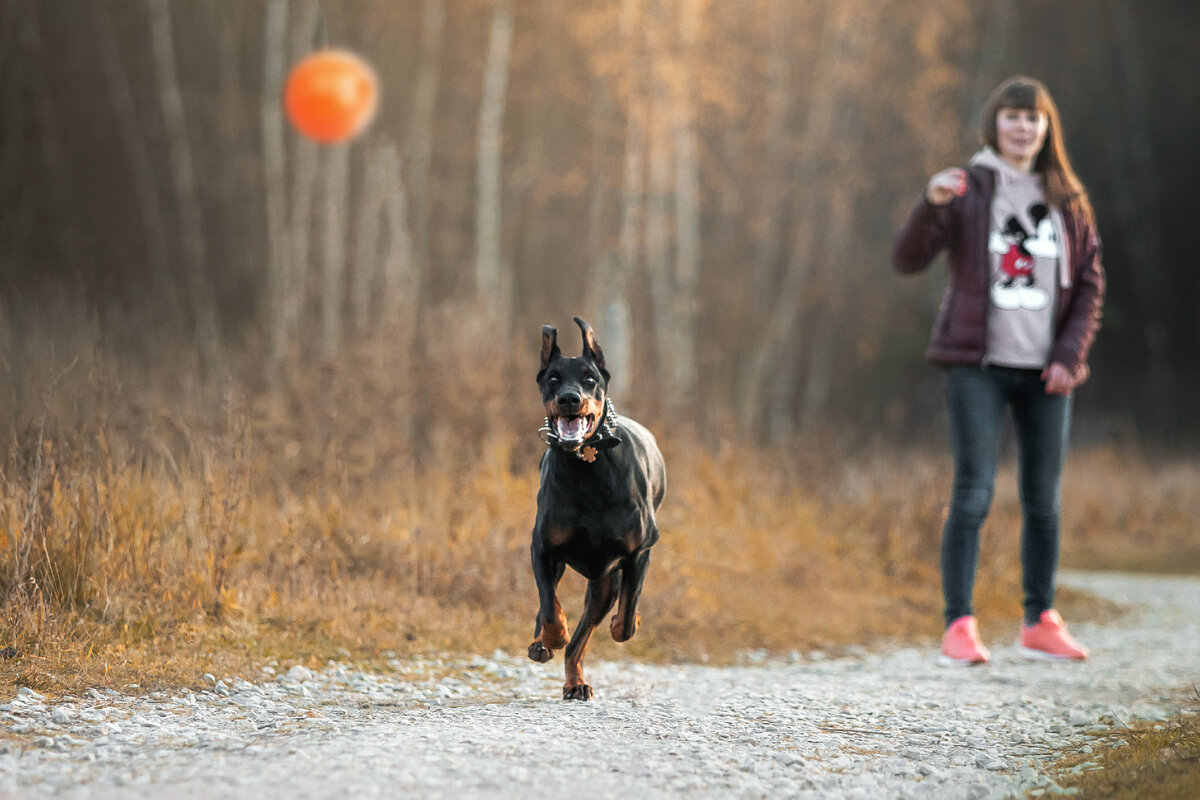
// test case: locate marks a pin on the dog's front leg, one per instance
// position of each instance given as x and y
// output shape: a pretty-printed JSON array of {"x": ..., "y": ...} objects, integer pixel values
[
  {"x": 550, "y": 629},
  {"x": 601, "y": 594},
  {"x": 625, "y": 622}
]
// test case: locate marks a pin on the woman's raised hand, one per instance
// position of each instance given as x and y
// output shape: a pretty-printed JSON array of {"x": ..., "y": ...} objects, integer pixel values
[{"x": 946, "y": 185}]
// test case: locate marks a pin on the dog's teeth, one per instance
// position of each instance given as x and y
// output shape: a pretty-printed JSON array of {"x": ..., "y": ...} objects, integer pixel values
[{"x": 571, "y": 429}]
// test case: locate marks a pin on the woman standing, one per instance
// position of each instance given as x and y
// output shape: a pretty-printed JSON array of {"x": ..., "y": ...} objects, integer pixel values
[{"x": 1019, "y": 314}]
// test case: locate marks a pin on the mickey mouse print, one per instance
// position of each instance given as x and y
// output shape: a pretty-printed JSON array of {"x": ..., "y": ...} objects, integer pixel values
[
  {"x": 1024, "y": 250},
  {"x": 1015, "y": 283}
]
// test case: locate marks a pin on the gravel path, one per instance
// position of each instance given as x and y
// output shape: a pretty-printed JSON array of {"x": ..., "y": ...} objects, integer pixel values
[{"x": 867, "y": 725}]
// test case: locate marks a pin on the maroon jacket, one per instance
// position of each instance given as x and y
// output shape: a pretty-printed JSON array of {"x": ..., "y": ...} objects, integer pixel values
[{"x": 960, "y": 331}]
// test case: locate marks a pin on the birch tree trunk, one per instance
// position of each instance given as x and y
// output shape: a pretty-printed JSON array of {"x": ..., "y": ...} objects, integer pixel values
[
  {"x": 659, "y": 266},
  {"x": 526, "y": 174},
  {"x": 605, "y": 296},
  {"x": 832, "y": 246},
  {"x": 685, "y": 293},
  {"x": 385, "y": 271},
  {"x": 278, "y": 250},
  {"x": 822, "y": 362},
  {"x": 234, "y": 228},
  {"x": 304, "y": 168},
  {"x": 617, "y": 316},
  {"x": 366, "y": 270},
  {"x": 401, "y": 274},
  {"x": 602, "y": 260},
  {"x": 333, "y": 237},
  {"x": 768, "y": 221},
  {"x": 433, "y": 23},
  {"x": 491, "y": 282},
  {"x": 183, "y": 175}
]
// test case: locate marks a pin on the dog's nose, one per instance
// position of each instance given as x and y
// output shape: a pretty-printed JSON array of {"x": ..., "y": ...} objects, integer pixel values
[{"x": 568, "y": 401}]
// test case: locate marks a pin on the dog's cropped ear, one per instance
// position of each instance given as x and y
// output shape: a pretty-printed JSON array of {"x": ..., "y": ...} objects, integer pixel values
[
  {"x": 550, "y": 349},
  {"x": 591, "y": 348}
]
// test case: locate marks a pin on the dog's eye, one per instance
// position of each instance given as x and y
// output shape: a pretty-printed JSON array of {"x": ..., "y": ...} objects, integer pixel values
[
  {"x": 552, "y": 380},
  {"x": 589, "y": 381}
]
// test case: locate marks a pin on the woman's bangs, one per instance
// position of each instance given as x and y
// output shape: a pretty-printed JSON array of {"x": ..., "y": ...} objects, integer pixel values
[{"x": 1024, "y": 97}]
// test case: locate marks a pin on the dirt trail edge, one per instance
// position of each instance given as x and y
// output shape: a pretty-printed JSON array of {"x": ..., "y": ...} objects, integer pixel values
[{"x": 890, "y": 724}]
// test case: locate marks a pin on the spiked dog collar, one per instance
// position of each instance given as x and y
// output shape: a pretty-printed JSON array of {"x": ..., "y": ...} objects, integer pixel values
[{"x": 605, "y": 437}]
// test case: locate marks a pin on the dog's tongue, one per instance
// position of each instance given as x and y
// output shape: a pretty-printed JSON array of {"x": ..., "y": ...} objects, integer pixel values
[{"x": 571, "y": 429}]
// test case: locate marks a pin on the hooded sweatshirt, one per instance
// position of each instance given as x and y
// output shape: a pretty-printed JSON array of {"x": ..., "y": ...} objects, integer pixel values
[
  {"x": 960, "y": 228},
  {"x": 1024, "y": 256}
]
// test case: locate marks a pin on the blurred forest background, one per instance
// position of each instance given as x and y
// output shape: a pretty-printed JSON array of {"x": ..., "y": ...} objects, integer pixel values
[
  {"x": 713, "y": 185},
  {"x": 227, "y": 351}
]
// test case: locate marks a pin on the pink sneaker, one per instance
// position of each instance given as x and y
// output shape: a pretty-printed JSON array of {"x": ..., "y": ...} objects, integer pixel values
[
  {"x": 1049, "y": 640},
  {"x": 961, "y": 646}
]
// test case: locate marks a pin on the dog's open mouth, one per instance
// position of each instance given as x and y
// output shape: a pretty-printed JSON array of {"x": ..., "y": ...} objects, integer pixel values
[{"x": 573, "y": 430}]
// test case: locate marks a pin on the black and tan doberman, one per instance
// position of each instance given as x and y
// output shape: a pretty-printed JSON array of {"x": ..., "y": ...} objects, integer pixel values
[{"x": 603, "y": 478}]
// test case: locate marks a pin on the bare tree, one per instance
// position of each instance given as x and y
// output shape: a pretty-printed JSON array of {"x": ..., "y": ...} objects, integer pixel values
[
  {"x": 145, "y": 180},
  {"x": 56, "y": 157},
  {"x": 280, "y": 283},
  {"x": 385, "y": 272},
  {"x": 1134, "y": 174},
  {"x": 659, "y": 197},
  {"x": 421, "y": 129},
  {"x": 684, "y": 294},
  {"x": 768, "y": 220},
  {"x": 289, "y": 203},
  {"x": 490, "y": 279},
  {"x": 12, "y": 144},
  {"x": 368, "y": 225},
  {"x": 618, "y": 322},
  {"x": 401, "y": 274},
  {"x": 763, "y": 394},
  {"x": 191, "y": 221},
  {"x": 333, "y": 237},
  {"x": 304, "y": 168},
  {"x": 717, "y": 168}
]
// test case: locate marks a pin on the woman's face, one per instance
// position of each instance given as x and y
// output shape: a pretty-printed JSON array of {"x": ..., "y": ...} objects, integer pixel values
[{"x": 1020, "y": 133}]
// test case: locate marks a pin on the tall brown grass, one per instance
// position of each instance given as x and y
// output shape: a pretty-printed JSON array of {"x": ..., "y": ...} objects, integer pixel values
[{"x": 156, "y": 523}]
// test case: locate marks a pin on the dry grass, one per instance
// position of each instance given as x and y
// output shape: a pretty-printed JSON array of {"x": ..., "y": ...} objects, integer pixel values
[
  {"x": 1132, "y": 512},
  {"x": 1145, "y": 760},
  {"x": 150, "y": 535}
]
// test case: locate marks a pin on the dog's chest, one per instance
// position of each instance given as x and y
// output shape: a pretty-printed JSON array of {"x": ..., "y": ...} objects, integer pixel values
[
  {"x": 592, "y": 519},
  {"x": 593, "y": 550}
]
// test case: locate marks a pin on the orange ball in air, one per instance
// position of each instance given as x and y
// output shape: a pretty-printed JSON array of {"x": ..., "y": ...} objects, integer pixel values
[{"x": 331, "y": 96}]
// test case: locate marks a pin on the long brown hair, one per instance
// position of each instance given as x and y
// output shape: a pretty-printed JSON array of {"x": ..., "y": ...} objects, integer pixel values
[{"x": 1062, "y": 186}]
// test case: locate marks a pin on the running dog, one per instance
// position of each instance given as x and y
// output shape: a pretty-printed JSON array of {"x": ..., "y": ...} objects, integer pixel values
[{"x": 602, "y": 479}]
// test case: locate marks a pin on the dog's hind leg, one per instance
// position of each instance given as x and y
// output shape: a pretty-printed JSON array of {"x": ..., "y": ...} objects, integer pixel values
[
  {"x": 601, "y": 594},
  {"x": 550, "y": 629},
  {"x": 625, "y": 623}
]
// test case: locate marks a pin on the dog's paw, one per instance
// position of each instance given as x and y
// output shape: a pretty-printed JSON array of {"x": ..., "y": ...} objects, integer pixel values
[
  {"x": 540, "y": 653},
  {"x": 618, "y": 631},
  {"x": 554, "y": 636},
  {"x": 580, "y": 691}
]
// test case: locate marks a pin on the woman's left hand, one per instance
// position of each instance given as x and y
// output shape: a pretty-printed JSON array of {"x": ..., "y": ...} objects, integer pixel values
[{"x": 1058, "y": 378}]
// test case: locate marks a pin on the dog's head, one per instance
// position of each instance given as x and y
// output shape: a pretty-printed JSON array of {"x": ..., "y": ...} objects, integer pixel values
[{"x": 573, "y": 389}]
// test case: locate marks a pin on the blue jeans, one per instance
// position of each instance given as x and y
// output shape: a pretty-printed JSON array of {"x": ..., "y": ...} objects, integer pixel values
[{"x": 976, "y": 398}]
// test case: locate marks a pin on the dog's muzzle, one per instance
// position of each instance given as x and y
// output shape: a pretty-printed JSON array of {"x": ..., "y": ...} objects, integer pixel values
[{"x": 570, "y": 433}]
